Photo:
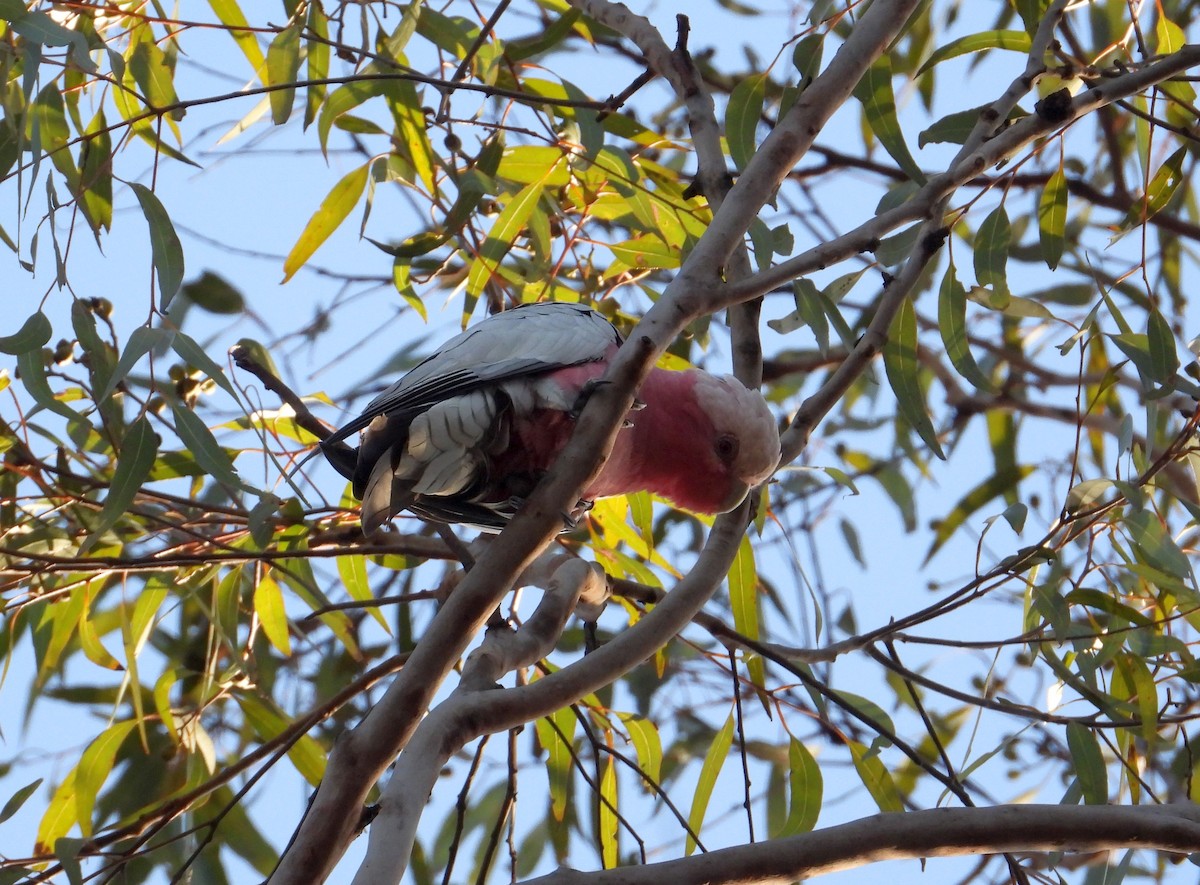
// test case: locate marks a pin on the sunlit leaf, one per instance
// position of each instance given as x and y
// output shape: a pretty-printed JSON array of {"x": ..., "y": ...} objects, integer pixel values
[
  {"x": 329, "y": 215},
  {"x": 268, "y": 605},
  {"x": 806, "y": 791},
  {"x": 94, "y": 767},
  {"x": 607, "y": 815},
  {"x": 875, "y": 777},
  {"x": 714, "y": 761},
  {"x": 557, "y": 743}
]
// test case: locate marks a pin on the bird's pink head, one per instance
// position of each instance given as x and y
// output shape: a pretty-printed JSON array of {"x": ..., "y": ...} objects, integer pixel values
[
  {"x": 745, "y": 440},
  {"x": 702, "y": 441}
]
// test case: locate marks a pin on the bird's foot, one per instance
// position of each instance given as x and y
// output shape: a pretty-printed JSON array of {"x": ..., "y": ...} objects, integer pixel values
[{"x": 585, "y": 393}]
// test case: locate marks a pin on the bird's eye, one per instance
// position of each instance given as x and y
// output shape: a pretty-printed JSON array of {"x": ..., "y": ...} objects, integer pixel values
[{"x": 727, "y": 447}]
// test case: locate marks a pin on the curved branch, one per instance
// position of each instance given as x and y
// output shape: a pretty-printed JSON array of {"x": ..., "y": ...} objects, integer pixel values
[{"x": 936, "y": 832}]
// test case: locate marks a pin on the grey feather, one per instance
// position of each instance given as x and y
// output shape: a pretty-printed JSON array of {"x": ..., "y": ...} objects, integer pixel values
[{"x": 426, "y": 438}]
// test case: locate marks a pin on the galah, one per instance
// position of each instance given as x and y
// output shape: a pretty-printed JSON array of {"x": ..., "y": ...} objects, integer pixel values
[{"x": 466, "y": 435}]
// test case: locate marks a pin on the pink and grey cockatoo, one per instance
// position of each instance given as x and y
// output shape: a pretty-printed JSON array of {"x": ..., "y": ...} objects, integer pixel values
[{"x": 467, "y": 434}]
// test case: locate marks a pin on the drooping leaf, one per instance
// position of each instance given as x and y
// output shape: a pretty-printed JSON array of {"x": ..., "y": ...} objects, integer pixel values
[
  {"x": 1089, "y": 763},
  {"x": 903, "y": 369},
  {"x": 557, "y": 743},
  {"x": 1052, "y": 218},
  {"x": 165, "y": 249},
  {"x": 268, "y": 605},
  {"x": 94, "y": 767},
  {"x": 714, "y": 761},
  {"x": 742, "y": 117},
  {"x": 138, "y": 449},
  {"x": 743, "y": 599},
  {"x": 874, "y": 91},
  {"x": 806, "y": 791},
  {"x": 283, "y": 64},
  {"x": 952, "y": 323},
  {"x": 607, "y": 814},
  {"x": 204, "y": 447},
  {"x": 239, "y": 30},
  {"x": 875, "y": 777}
]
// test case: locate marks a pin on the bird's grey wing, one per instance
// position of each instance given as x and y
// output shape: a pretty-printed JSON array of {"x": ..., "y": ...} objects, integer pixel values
[{"x": 523, "y": 341}]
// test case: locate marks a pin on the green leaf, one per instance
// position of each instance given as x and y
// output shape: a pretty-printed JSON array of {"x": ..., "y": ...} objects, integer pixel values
[
  {"x": 1015, "y": 41},
  {"x": 353, "y": 572},
  {"x": 141, "y": 341},
  {"x": 1160, "y": 340},
  {"x": 990, "y": 488},
  {"x": 33, "y": 376},
  {"x": 606, "y": 825},
  {"x": 743, "y": 599},
  {"x": 329, "y": 215},
  {"x": 875, "y": 777},
  {"x": 215, "y": 294},
  {"x": 1089, "y": 764},
  {"x": 714, "y": 760},
  {"x": 874, "y": 91},
  {"x": 1140, "y": 686},
  {"x": 742, "y": 117},
  {"x": 991, "y": 250},
  {"x": 165, "y": 248},
  {"x": 95, "y": 174},
  {"x": 268, "y": 605},
  {"x": 643, "y": 734},
  {"x": 17, "y": 799},
  {"x": 305, "y": 754},
  {"x": 317, "y": 51},
  {"x": 94, "y": 767},
  {"x": 501, "y": 237},
  {"x": 153, "y": 75},
  {"x": 559, "y": 754},
  {"x": 1052, "y": 218},
  {"x": 528, "y": 164},
  {"x": 39, "y": 28},
  {"x": 34, "y": 333},
  {"x": 806, "y": 791},
  {"x": 903, "y": 369},
  {"x": 204, "y": 447},
  {"x": 952, "y": 323},
  {"x": 194, "y": 355},
  {"x": 138, "y": 450},
  {"x": 283, "y": 64}
]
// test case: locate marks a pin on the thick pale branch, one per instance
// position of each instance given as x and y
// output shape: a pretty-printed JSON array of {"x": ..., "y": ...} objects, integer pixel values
[
  {"x": 937, "y": 832},
  {"x": 448, "y": 728}
]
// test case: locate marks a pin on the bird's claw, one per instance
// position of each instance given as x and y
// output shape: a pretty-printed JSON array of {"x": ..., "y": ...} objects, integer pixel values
[{"x": 585, "y": 393}]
